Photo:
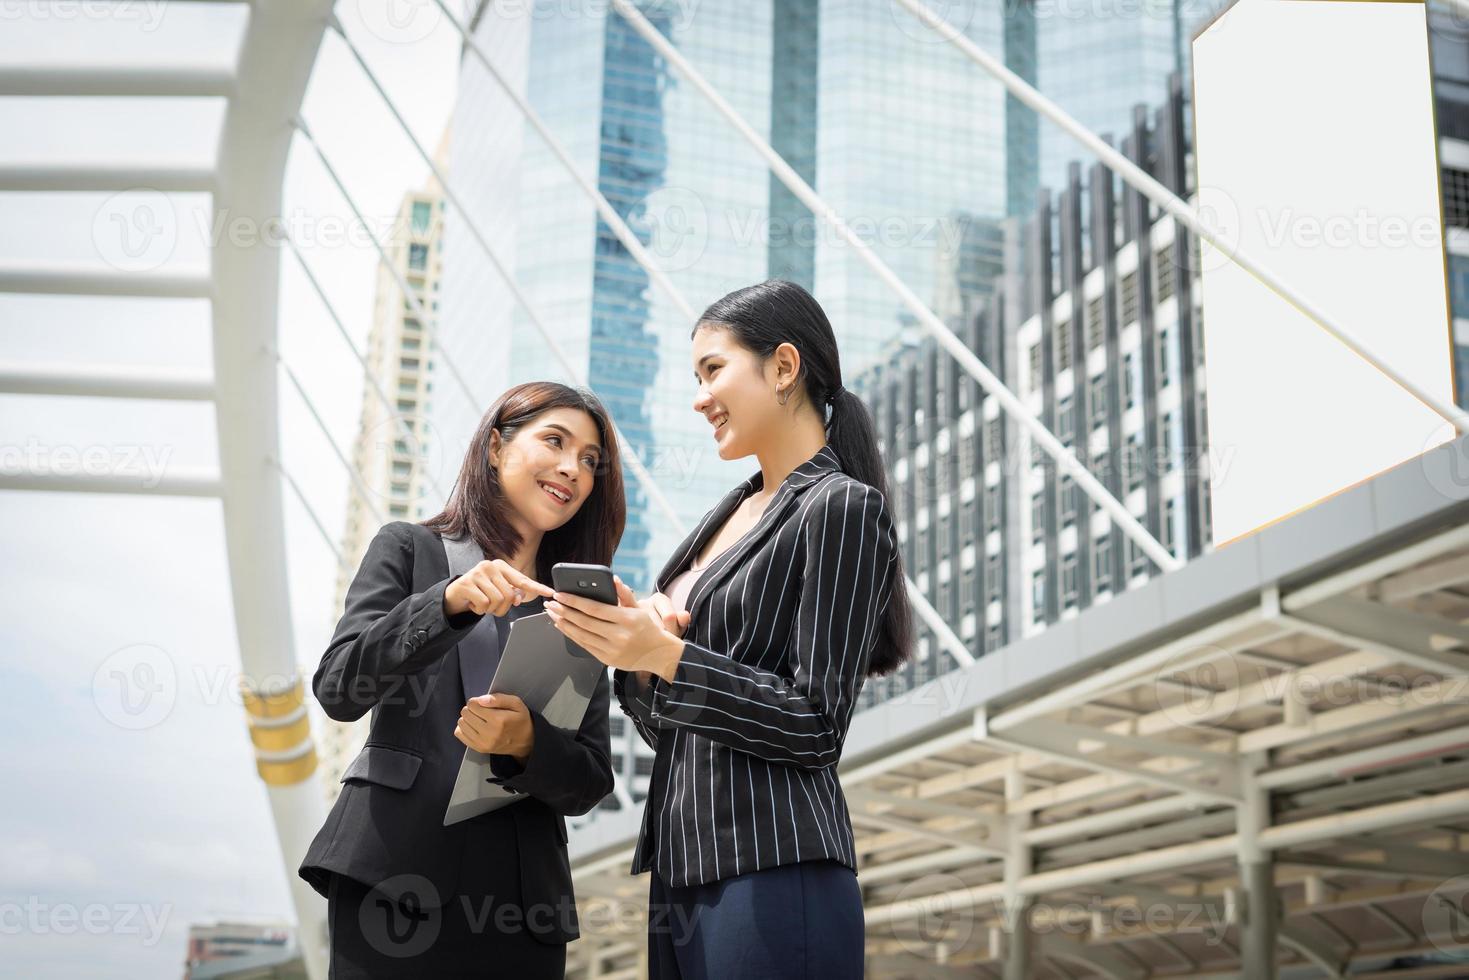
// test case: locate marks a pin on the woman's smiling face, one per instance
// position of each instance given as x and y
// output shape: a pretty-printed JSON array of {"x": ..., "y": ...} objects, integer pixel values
[
  {"x": 735, "y": 393},
  {"x": 548, "y": 467}
]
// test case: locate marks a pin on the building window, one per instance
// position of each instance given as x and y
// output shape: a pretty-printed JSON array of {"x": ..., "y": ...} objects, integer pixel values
[
  {"x": 417, "y": 256},
  {"x": 992, "y": 508},
  {"x": 1037, "y": 596},
  {"x": 1035, "y": 367},
  {"x": 1068, "y": 501},
  {"x": 1037, "y": 518},
  {"x": 966, "y": 524},
  {"x": 994, "y": 637},
  {"x": 944, "y": 524},
  {"x": 1065, "y": 420},
  {"x": 1458, "y": 285},
  {"x": 1132, "y": 462},
  {"x": 969, "y": 581},
  {"x": 422, "y": 211},
  {"x": 968, "y": 450},
  {"x": 992, "y": 578},
  {"x": 1069, "y": 590},
  {"x": 1102, "y": 562},
  {"x": 1456, "y": 197},
  {"x": 1094, "y": 315},
  {"x": 1165, "y": 357},
  {"x": 1129, "y": 298},
  {"x": 1170, "y": 438},
  {"x": 1097, "y": 400},
  {"x": 992, "y": 440},
  {"x": 1163, "y": 273},
  {"x": 1095, "y": 332},
  {"x": 642, "y": 765},
  {"x": 1063, "y": 348},
  {"x": 1129, "y": 382},
  {"x": 1170, "y": 514},
  {"x": 1137, "y": 560}
]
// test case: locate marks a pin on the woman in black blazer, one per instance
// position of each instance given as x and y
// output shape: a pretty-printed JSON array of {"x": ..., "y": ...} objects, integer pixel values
[
  {"x": 794, "y": 596},
  {"x": 490, "y": 896}
]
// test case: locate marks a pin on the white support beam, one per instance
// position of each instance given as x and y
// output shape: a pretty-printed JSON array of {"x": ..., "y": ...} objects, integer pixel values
[
  {"x": 280, "y": 45},
  {"x": 1052, "y": 740},
  {"x": 1127, "y": 672},
  {"x": 136, "y": 80},
  {"x": 73, "y": 176},
  {"x": 1385, "y": 756},
  {"x": 950, "y": 838},
  {"x": 1419, "y": 639},
  {"x": 105, "y": 381},
  {"x": 104, "y": 282},
  {"x": 176, "y": 481}
]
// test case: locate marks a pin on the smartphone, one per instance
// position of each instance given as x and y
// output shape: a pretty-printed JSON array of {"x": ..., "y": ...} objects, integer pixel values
[{"x": 587, "y": 581}]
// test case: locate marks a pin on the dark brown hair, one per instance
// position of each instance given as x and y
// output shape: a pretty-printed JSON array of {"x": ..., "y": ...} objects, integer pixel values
[
  {"x": 477, "y": 502},
  {"x": 774, "y": 312}
]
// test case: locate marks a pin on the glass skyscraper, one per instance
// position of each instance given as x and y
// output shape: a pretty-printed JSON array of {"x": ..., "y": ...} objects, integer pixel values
[{"x": 914, "y": 145}]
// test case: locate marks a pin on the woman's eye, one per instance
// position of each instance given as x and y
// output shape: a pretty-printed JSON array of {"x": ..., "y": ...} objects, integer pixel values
[{"x": 556, "y": 438}]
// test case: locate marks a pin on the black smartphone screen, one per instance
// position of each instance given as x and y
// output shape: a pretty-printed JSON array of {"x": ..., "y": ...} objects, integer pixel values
[{"x": 588, "y": 581}]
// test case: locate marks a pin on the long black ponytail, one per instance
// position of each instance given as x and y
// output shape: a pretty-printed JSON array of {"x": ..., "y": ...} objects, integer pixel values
[{"x": 775, "y": 312}]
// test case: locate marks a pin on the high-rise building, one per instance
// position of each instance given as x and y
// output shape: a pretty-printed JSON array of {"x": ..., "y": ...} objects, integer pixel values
[
  {"x": 391, "y": 451},
  {"x": 1098, "y": 331}
]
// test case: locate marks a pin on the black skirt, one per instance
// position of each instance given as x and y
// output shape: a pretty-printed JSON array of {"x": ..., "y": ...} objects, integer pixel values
[{"x": 479, "y": 932}]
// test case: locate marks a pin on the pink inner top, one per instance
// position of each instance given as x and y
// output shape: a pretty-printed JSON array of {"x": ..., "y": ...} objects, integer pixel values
[{"x": 681, "y": 586}]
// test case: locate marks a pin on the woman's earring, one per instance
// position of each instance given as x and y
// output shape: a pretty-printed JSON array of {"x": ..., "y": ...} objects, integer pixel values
[{"x": 782, "y": 395}]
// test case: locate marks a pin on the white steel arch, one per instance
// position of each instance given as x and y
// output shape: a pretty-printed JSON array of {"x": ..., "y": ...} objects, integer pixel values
[{"x": 262, "y": 92}]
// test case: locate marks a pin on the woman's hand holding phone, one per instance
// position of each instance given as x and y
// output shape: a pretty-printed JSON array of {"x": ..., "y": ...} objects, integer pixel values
[
  {"x": 628, "y": 636},
  {"x": 660, "y": 607},
  {"x": 492, "y": 587}
]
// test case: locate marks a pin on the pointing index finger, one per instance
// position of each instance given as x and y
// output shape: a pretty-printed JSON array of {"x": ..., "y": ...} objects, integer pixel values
[{"x": 524, "y": 581}]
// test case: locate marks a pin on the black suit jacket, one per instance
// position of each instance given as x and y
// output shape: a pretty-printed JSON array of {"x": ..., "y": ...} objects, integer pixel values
[
  {"x": 396, "y": 654},
  {"x": 781, "y": 630}
]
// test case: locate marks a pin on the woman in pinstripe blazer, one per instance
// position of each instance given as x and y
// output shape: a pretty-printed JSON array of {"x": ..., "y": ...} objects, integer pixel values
[{"x": 743, "y": 670}]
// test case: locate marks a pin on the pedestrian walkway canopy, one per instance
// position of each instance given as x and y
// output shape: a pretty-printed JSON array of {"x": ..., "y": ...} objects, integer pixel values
[{"x": 1290, "y": 709}]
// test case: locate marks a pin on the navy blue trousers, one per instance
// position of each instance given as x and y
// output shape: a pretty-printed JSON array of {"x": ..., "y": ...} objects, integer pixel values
[{"x": 801, "y": 920}]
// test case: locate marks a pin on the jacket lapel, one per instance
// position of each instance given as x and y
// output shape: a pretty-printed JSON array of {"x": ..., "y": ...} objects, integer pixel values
[
  {"x": 822, "y": 464},
  {"x": 478, "y": 653}
]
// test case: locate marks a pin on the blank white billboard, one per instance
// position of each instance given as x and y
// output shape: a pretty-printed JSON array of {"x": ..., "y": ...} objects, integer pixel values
[{"x": 1317, "y": 158}]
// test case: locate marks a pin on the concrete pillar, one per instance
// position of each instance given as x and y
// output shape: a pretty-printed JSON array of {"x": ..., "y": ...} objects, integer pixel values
[
  {"x": 1020, "y": 956},
  {"x": 1260, "y": 924}
]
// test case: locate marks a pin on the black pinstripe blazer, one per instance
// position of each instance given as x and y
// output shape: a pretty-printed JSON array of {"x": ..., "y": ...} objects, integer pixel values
[{"x": 781, "y": 630}]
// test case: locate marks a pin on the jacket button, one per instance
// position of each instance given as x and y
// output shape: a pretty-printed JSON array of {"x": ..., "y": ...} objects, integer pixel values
[{"x": 421, "y": 635}]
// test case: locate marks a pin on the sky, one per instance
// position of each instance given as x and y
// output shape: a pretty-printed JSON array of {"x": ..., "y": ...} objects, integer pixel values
[{"x": 123, "y": 826}]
